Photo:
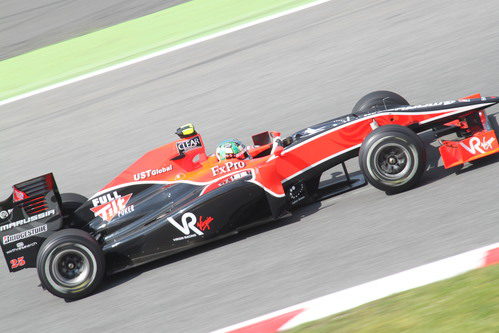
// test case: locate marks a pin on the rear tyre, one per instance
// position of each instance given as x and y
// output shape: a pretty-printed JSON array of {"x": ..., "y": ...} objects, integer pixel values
[
  {"x": 392, "y": 158},
  {"x": 70, "y": 264},
  {"x": 70, "y": 203},
  {"x": 378, "y": 101}
]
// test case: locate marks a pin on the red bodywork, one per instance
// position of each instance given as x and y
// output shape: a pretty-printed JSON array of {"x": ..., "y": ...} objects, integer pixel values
[
  {"x": 481, "y": 144},
  {"x": 164, "y": 165}
]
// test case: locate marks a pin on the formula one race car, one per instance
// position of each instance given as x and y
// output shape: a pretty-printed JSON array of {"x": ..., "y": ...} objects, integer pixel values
[{"x": 177, "y": 197}]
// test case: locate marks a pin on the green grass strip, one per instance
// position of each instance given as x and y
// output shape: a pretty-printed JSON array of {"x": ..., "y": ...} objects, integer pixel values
[
  {"x": 466, "y": 303},
  {"x": 128, "y": 40}
]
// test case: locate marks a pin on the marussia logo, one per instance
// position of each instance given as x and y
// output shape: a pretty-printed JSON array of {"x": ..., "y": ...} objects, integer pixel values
[
  {"x": 107, "y": 211},
  {"x": 30, "y": 219},
  {"x": 478, "y": 146},
  {"x": 191, "y": 224}
]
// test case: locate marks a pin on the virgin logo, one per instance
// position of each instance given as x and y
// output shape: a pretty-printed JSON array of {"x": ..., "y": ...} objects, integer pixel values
[{"x": 478, "y": 146}]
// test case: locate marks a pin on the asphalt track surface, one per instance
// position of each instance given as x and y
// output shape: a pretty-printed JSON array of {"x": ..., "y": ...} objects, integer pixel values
[
  {"x": 281, "y": 75},
  {"x": 28, "y": 25}
]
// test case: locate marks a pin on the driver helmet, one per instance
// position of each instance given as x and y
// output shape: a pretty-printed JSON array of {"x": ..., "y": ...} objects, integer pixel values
[{"x": 230, "y": 148}]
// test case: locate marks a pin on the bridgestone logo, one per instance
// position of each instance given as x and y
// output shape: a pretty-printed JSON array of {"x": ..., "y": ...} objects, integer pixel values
[
  {"x": 28, "y": 220},
  {"x": 24, "y": 234}
]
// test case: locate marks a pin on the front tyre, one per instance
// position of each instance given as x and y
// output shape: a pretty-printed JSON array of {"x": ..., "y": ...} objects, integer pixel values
[
  {"x": 392, "y": 158},
  {"x": 70, "y": 264},
  {"x": 378, "y": 101}
]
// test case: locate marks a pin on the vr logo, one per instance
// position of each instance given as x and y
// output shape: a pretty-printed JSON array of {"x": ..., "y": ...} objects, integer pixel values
[
  {"x": 188, "y": 224},
  {"x": 478, "y": 146}
]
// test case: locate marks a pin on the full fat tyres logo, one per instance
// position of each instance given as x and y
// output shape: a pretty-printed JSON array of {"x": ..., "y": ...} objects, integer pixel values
[
  {"x": 187, "y": 145},
  {"x": 227, "y": 167},
  {"x": 110, "y": 205},
  {"x": 478, "y": 146},
  {"x": 190, "y": 226}
]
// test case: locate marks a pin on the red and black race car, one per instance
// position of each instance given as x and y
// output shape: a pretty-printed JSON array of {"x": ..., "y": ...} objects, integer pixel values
[{"x": 177, "y": 197}]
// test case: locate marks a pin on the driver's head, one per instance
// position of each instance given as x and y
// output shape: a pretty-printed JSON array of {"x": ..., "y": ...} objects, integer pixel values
[{"x": 231, "y": 148}]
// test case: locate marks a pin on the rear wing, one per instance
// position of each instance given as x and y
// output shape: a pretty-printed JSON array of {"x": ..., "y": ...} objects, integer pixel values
[{"x": 27, "y": 218}]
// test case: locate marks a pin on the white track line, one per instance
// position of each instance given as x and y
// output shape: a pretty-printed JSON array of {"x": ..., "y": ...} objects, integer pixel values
[
  {"x": 355, "y": 296},
  {"x": 160, "y": 52}
]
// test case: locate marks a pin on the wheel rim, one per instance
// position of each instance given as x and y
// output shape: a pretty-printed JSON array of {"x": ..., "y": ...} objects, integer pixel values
[
  {"x": 70, "y": 267},
  {"x": 392, "y": 161}
]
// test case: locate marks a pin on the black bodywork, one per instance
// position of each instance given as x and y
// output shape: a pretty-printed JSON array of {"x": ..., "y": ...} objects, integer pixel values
[{"x": 149, "y": 231}]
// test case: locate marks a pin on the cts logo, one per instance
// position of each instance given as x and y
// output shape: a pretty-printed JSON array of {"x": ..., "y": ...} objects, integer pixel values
[
  {"x": 227, "y": 167},
  {"x": 478, "y": 146},
  {"x": 108, "y": 210},
  {"x": 190, "y": 225}
]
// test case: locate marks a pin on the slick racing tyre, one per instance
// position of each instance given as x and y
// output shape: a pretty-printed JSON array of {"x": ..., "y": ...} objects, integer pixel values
[
  {"x": 392, "y": 158},
  {"x": 377, "y": 101},
  {"x": 70, "y": 203},
  {"x": 70, "y": 264}
]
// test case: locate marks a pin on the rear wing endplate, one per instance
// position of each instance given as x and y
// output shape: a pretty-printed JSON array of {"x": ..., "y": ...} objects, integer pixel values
[{"x": 27, "y": 218}]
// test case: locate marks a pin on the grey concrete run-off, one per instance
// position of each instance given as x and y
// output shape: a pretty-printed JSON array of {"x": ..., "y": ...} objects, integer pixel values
[
  {"x": 29, "y": 25},
  {"x": 281, "y": 75}
]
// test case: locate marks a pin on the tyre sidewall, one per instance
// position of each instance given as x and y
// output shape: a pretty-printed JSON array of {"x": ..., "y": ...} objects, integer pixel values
[
  {"x": 70, "y": 239},
  {"x": 398, "y": 136}
]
